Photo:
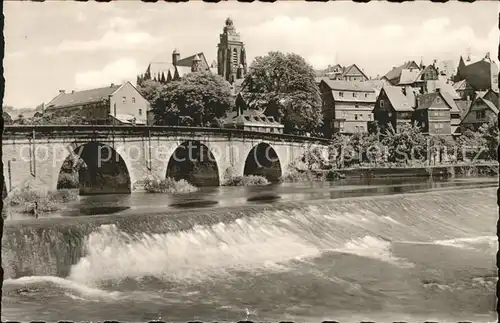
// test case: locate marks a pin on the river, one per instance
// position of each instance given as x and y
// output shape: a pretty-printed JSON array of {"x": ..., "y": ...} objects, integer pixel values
[{"x": 405, "y": 250}]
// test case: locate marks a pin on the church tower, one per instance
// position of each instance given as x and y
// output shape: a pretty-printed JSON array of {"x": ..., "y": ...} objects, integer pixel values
[{"x": 231, "y": 56}]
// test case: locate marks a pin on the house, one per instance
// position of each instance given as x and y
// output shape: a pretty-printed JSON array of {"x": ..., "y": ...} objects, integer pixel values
[
  {"x": 347, "y": 106},
  {"x": 393, "y": 77},
  {"x": 480, "y": 73},
  {"x": 331, "y": 72},
  {"x": 464, "y": 89},
  {"x": 393, "y": 108},
  {"x": 437, "y": 113},
  {"x": 352, "y": 73},
  {"x": 121, "y": 104},
  {"x": 489, "y": 95},
  {"x": 249, "y": 116},
  {"x": 339, "y": 72},
  {"x": 481, "y": 111}
]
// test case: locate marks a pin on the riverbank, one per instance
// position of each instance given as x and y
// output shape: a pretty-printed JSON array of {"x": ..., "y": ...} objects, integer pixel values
[{"x": 446, "y": 171}]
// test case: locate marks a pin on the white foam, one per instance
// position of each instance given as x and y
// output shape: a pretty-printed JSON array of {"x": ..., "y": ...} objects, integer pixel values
[
  {"x": 375, "y": 248},
  {"x": 469, "y": 243},
  {"x": 195, "y": 254}
]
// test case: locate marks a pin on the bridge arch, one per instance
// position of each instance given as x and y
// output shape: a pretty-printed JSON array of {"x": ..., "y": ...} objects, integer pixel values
[
  {"x": 94, "y": 168},
  {"x": 263, "y": 160},
  {"x": 194, "y": 162}
]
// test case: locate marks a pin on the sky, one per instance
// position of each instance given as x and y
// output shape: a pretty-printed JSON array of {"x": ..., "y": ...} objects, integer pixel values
[{"x": 80, "y": 45}]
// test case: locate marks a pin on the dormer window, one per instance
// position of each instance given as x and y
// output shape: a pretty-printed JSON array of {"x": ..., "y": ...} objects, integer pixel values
[{"x": 381, "y": 103}]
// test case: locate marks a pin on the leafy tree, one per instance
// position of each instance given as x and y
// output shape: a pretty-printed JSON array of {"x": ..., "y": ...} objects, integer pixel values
[
  {"x": 198, "y": 99},
  {"x": 489, "y": 132},
  {"x": 285, "y": 83},
  {"x": 405, "y": 145}
]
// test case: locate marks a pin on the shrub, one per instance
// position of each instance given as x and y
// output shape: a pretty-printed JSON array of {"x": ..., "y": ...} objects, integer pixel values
[
  {"x": 247, "y": 180},
  {"x": 24, "y": 199},
  {"x": 168, "y": 185},
  {"x": 67, "y": 180}
]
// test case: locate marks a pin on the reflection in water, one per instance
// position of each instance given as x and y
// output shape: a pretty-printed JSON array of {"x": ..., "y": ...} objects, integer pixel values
[
  {"x": 264, "y": 198},
  {"x": 195, "y": 203}
]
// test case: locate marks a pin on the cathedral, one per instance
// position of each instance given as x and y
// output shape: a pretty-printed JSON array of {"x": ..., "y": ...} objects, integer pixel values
[{"x": 231, "y": 61}]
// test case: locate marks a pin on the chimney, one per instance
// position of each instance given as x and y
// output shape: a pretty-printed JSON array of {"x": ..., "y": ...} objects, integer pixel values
[
  {"x": 112, "y": 84},
  {"x": 72, "y": 91},
  {"x": 175, "y": 57},
  {"x": 62, "y": 91}
]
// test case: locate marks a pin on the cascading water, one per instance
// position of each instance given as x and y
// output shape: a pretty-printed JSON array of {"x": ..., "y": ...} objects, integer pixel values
[{"x": 383, "y": 257}]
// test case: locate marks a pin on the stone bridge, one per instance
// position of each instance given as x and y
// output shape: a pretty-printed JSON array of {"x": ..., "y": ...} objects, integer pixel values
[{"x": 115, "y": 159}]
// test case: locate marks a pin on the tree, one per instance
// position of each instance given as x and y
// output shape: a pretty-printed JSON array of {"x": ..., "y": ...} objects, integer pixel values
[
  {"x": 489, "y": 132},
  {"x": 405, "y": 145},
  {"x": 203, "y": 96},
  {"x": 286, "y": 84}
]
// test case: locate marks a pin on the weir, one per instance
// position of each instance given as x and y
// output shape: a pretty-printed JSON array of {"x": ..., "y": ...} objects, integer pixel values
[{"x": 55, "y": 247}]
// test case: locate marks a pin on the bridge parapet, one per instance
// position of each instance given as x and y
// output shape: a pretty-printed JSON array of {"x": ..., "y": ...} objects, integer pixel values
[{"x": 106, "y": 131}]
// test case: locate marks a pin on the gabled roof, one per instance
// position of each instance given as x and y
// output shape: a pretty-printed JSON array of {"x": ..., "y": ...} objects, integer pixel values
[
  {"x": 82, "y": 97},
  {"x": 353, "y": 86},
  {"x": 461, "y": 85},
  {"x": 444, "y": 87},
  {"x": 488, "y": 103},
  {"x": 398, "y": 100},
  {"x": 463, "y": 106},
  {"x": 426, "y": 100},
  {"x": 394, "y": 74},
  {"x": 449, "y": 100},
  {"x": 351, "y": 68},
  {"x": 408, "y": 76}
]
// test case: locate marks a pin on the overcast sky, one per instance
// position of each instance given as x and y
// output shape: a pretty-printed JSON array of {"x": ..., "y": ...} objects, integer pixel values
[{"x": 71, "y": 45}]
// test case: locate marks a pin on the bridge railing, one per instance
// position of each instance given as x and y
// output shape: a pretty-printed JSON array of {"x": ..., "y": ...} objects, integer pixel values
[{"x": 106, "y": 131}]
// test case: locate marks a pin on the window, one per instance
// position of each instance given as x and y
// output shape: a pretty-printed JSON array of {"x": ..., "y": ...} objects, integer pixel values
[
  {"x": 381, "y": 103},
  {"x": 354, "y": 94},
  {"x": 356, "y": 106},
  {"x": 360, "y": 117},
  {"x": 480, "y": 114},
  {"x": 423, "y": 124},
  {"x": 355, "y": 117},
  {"x": 366, "y": 95},
  {"x": 341, "y": 94},
  {"x": 133, "y": 99},
  {"x": 140, "y": 112},
  {"x": 124, "y": 100},
  {"x": 438, "y": 100}
]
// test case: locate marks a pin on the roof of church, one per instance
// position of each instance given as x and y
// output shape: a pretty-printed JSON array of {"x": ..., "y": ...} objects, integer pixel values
[
  {"x": 188, "y": 61},
  {"x": 82, "y": 97},
  {"x": 157, "y": 68}
]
